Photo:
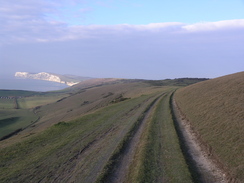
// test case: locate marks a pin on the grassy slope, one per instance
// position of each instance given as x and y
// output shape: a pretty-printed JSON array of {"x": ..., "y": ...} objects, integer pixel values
[
  {"x": 13, "y": 119},
  {"x": 90, "y": 99},
  {"x": 80, "y": 148},
  {"x": 18, "y": 113},
  {"x": 39, "y": 100},
  {"x": 68, "y": 104},
  {"x": 215, "y": 110},
  {"x": 72, "y": 147}
]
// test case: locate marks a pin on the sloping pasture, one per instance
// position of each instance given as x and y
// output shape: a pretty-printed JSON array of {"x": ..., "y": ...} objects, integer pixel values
[
  {"x": 75, "y": 150},
  {"x": 83, "y": 134},
  {"x": 14, "y": 119},
  {"x": 215, "y": 109}
]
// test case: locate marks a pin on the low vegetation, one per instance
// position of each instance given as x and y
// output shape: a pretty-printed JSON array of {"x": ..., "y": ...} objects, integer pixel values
[
  {"x": 175, "y": 82},
  {"x": 15, "y": 119},
  {"x": 159, "y": 157},
  {"x": 7, "y": 103},
  {"x": 17, "y": 109},
  {"x": 83, "y": 132},
  {"x": 72, "y": 146},
  {"x": 38, "y": 100},
  {"x": 215, "y": 110},
  {"x": 16, "y": 93}
]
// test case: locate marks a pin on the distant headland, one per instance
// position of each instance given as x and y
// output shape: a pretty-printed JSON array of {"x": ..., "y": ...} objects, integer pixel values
[{"x": 69, "y": 80}]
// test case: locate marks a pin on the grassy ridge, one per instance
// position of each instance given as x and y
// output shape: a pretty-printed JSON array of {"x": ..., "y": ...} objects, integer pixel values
[
  {"x": 175, "y": 82},
  {"x": 215, "y": 110},
  {"x": 159, "y": 157},
  {"x": 71, "y": 147}
]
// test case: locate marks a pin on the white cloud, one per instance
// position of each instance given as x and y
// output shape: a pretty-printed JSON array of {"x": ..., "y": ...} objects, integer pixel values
[
  {"x": 214, "y": 26},
  {"x": 26, "y": 21}
]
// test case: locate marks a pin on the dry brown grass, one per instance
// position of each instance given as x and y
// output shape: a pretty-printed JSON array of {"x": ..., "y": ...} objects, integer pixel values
[{"x": 215, "y": 109}]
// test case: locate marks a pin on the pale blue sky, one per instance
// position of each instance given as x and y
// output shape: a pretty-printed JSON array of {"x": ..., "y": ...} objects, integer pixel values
[
  {"x": 122, "y": 38},
  {"x": 109, "y": 12}
]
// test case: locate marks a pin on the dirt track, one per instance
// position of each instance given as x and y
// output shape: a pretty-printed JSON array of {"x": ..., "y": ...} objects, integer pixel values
[
  {"x": 205, "y": 168},
  {"x": 201, "y": 166},
  {"x": 122, "y": 169}
]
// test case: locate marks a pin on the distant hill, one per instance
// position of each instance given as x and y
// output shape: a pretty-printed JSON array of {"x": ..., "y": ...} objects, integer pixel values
[
  {"x": 215, "y": 109},
  {"x": 69, "y": 80},
  {"x": 176, "y": 82}
]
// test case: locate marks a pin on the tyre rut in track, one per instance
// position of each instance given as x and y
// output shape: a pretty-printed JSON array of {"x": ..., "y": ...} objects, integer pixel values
[
  {"x": 122, "y": 161},
  {"x": 202, "y": 168}
]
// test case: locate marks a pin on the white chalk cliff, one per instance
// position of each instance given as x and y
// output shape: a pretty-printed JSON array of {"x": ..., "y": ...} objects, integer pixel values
[{"x": 43, "y": 76}]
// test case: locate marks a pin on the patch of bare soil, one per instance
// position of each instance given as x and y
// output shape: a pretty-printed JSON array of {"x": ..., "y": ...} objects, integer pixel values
[{"x": 204, "y": 164}]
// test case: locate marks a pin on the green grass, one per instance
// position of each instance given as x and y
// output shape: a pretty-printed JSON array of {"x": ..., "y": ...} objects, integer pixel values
[
  {"x": 16, "y": 113},
  {"x": 82, "y": 146},
  {"x": 6, "y": 103},
  {"x": 39, "y": 100},
  {"x": 117, "y": 155},
  {"x": 21, "y": 93},
  {"x": 159, "y": 157},
  {"x": 215, "y": 110},
  {"x": 14, "y": 119},
  {"x": 8, "y": 121},
  {"x": 29, "y": 99},
  {"x": 80, "y": 130}
]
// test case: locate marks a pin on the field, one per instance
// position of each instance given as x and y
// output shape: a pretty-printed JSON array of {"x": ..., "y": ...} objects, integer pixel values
[
  {"x": 6, "y": 103},
  {"x": 21, "y": 93},
  {"x": 101, "y": 130},
  {"x": 17, "y": 108},
  {"x": 38, "y": 100},
  {"x": 15, "y": 119}
]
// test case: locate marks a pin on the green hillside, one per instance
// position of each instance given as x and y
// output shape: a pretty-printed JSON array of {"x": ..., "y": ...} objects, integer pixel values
[
  {"x": 100, "y": 130},
  {"x": 215, "y": 109}
]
